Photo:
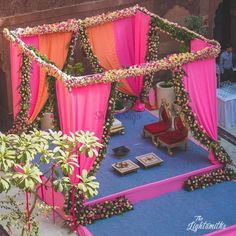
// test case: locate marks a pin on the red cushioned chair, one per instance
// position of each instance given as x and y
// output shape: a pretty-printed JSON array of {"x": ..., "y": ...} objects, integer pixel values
[
  {"x": 154, "y": 129},
  {"x": 174, "y": 138}
]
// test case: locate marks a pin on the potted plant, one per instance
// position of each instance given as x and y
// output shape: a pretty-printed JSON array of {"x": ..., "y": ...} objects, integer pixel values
[
  {"x": 21, "y": 171},
  {"x": 196, "y": 24},
  {"x": 119, "y": 106},
  {"x": 165, "y": 89}
]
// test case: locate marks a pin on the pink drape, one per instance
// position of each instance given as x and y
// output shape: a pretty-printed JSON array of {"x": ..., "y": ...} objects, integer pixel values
[
  {"x": 200, "y": 83},
  {"x": 83, "y": 109},
  {"x": 131, "y": 35},
  {"x": 16, "y": 61}
]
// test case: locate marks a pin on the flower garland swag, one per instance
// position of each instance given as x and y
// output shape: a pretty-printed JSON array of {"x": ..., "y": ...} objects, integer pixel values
[
  {"x": 167, "y": 63},
  {"x": 111, "y": 103},
  {"x": 90, "y": 213},
  {"x": 113, "y": 76},
  {"x": 198, "y": 132},
  {"x": 52, "y": 81},
  {"x": 88, "y": 50},
  {"x": 151, "y": 55},
  {"x": 125, "y": 97},
  {"x": 209, "y": 179},
  {"x": 51, "y": 103},
  {"x": 20, "y": 124},
  {"x": 179, "y": 33}
]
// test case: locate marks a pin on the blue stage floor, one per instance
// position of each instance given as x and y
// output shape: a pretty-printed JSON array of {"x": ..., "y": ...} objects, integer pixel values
[
  {"x": 181, "y": 162},
  {"x": 170, "y": 215}
]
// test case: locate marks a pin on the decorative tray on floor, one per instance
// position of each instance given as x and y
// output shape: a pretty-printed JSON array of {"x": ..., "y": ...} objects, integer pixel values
[
  {"x": 120, "y": 151},
  {"x": 125, "y": 167},
  {"x": 149, "y": 160}
]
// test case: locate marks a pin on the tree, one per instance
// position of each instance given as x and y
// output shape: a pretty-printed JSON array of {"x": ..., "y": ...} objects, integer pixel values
[{"x": 21, "y": 158}]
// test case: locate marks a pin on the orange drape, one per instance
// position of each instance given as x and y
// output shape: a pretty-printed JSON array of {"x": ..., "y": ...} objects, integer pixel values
[
  {"x": 55, "y": 47},
  {"x": 102, "y": 40}
]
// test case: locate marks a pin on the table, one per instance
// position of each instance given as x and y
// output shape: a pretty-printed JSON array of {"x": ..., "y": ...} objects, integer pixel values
[{"x": 226, "y": 105}]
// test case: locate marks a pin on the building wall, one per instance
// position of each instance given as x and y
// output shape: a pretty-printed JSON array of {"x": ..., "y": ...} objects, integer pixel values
[
  {"x": 233, "y": 23},
  {"x": 22, "y": 13}
]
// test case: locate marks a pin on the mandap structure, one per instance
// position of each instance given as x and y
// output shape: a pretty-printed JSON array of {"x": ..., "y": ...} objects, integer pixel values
[{"x": 122, "y": 47}]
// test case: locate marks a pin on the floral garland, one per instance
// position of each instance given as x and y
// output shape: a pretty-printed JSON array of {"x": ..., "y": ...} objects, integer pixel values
[
  {"x": 51, "y": 104},
  {"x": 64, "y": 26},
  {"x": 199, "y": 134},
  {"x": 151, "y": 55},
  {"x": 52, "y": 81},
  {"x": 90, "y": 213},
  {"x": 111, "y": 103},
  {"x": 125, "y": 97},
  {"x": 177, "y": 32},
  {"x": 73, "y": 24},
  {"x": 106, "y": 129},
  {"x": 98, "y": 69},
  {"x": 168, "y": 63},
  {"x": 88, "y": 50},
  {"x": 20, "y": 124},
  {"x": 209, "y": 179},
  {"x": 110, "y": 16}
]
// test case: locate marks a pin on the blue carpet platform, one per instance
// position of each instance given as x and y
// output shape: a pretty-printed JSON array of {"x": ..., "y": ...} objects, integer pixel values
[
  {"x": 171, "y": 214},
  {"x": 181, "y": 162}
]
